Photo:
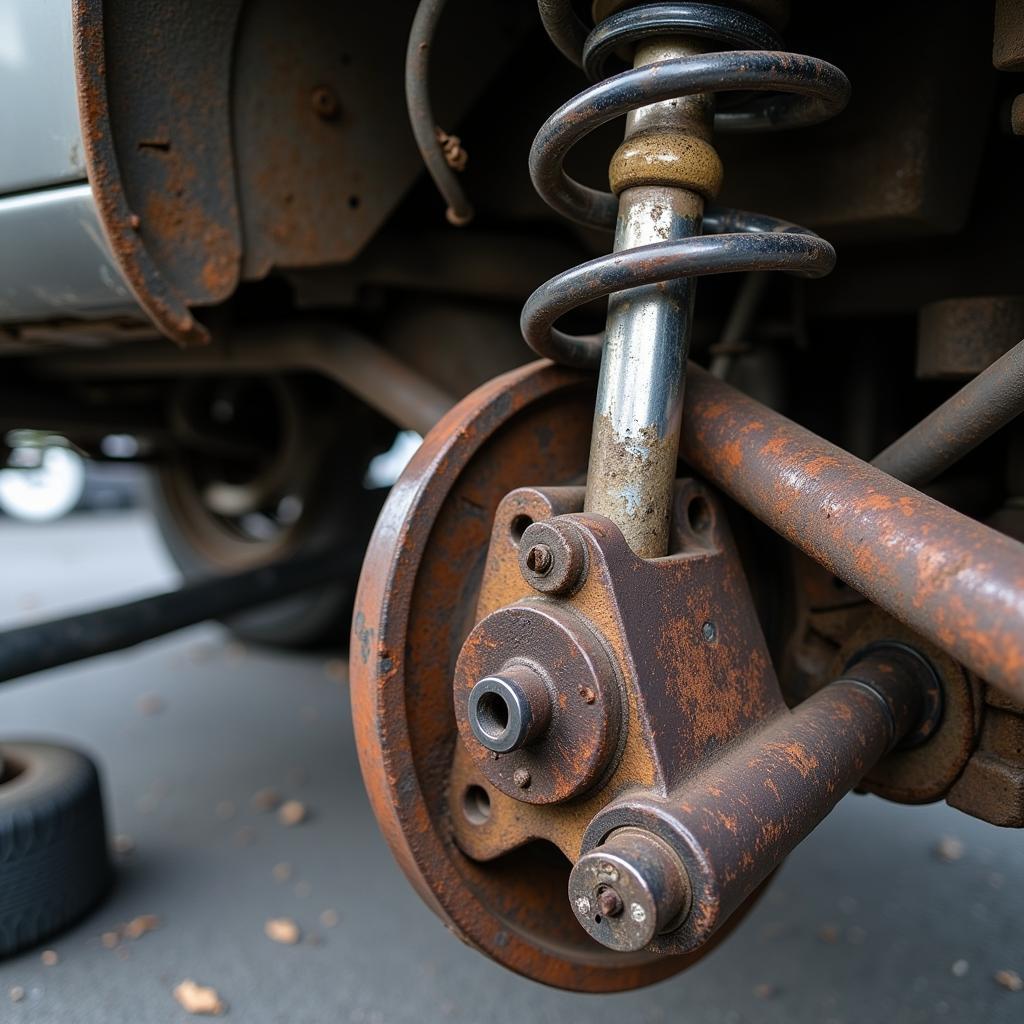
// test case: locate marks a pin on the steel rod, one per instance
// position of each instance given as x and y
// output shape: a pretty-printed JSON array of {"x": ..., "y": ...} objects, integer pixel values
[
  {"x": 45, "y": 645},
  {"x": 960, "y": 424},
  {"x": 950, "y": 578},
  {"x": 361, "y": 366},
  {"x": 640, "y": 388}
]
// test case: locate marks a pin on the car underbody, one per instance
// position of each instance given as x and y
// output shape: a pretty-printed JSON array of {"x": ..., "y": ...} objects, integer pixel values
[{"x": 734, "y": 531}]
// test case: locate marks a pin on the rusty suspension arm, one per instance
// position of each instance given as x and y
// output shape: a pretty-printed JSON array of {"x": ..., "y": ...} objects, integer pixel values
[
  {"x": 953, "y": 580},
  {"x": 49, "y": 644},
  {"x": 960, "y": 424}
]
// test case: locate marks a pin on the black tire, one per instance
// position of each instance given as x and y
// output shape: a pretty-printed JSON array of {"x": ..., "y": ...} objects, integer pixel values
[
  {"x": 54, "y": 860},
  {"x": 337, "y": 511}
]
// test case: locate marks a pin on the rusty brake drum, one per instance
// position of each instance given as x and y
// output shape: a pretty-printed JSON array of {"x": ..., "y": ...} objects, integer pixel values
[{"x": 427, "y": 582}]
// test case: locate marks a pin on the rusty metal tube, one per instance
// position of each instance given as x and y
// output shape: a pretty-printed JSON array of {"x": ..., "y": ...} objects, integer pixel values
[
  {"x": 960, "y": 424},
  {"x": 750, "y": 809},
  {"x": 735, "y": 821},
  {"x": 953, "y": 580},
  {"x": 368, "y": 370}
]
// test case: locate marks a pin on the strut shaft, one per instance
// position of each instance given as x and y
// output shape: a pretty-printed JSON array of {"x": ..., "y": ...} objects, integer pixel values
[{"x": 640, "y": 389}]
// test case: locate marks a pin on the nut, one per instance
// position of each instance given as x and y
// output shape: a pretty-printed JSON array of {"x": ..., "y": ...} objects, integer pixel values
[
  {"x": 552, "y": 556},
  {"x": 539, "y": 559}
]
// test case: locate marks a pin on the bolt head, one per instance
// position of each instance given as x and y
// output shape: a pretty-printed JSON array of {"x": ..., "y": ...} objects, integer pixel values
[
  {"x": 552, "y": 556},
  {"x": 539, "y": 559}
]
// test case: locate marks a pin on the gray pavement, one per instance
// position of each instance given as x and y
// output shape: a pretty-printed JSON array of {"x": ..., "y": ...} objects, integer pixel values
[{"x": 864, "y": 923}]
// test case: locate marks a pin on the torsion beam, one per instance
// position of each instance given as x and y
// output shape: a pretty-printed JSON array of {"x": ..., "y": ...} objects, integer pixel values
[{"x": 950, "y": 578}]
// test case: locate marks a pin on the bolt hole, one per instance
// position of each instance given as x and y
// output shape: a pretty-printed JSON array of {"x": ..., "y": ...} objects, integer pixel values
[
  {"x": 492, "y": 715},
  {"x": 698, "y": 514},
  {"x": 597, "y": 919},
  {"x": 476, "y": 805},
  {"x": 518, "y": 527}
]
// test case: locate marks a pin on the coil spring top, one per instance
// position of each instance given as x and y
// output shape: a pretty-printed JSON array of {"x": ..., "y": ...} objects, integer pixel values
[{"x": 797, "y": 91}]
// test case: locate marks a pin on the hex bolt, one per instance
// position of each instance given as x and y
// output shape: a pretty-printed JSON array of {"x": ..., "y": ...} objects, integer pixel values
[
  {"x": 552, "y": 556},
  {"x": 649, "y": 879},
  {"x": 509, "y": 710},
  {"x": 538, "y": 559}
]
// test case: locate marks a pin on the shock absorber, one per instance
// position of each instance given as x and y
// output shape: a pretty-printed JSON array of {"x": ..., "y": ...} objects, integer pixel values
[{"x": 663, "y": 178}]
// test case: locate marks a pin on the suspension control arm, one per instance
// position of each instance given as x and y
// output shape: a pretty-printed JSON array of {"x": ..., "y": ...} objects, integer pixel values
[
  {"x": 953, "y": 580},
  {"x": 960, "y": 424},
  {"x": 679, "y": 867},
  {"x": 56, "y": 642}
]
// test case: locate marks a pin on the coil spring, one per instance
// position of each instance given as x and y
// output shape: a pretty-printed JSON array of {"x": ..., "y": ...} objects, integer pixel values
[{"x": 789, "y": 91}]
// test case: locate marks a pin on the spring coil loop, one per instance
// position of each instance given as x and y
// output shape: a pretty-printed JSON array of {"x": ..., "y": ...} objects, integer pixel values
[{"x": 782, "y": 90}]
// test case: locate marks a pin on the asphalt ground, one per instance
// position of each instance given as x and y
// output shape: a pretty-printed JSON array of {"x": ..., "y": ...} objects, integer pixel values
[{"x": 886, "y": 914}]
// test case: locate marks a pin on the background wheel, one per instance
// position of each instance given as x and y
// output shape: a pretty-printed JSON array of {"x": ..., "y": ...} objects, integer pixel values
[
  {"x": 54, "y": 864},
  {"x": 47, "y": 491},
  {"x": 266, "y": 467}
]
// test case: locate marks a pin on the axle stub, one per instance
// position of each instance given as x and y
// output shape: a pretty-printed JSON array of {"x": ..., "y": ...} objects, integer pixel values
[{"x": 647, "y": 882}]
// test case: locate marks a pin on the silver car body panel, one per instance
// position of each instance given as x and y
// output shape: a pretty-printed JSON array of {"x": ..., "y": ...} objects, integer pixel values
[
  {"x": 55, "y": 263},
  {"x": 54, "y": 259},
  {"x": 39, "y": 114}
]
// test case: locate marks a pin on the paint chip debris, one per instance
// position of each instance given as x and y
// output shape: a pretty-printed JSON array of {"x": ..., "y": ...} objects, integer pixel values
[
  {"x": 225, "y": 810},
  {"x": 199, "y": 1000},
  {"x": 329, "y": 918},
  {"x": 292, "y": 812},
  {"x": 49, "y": 958},
  {"x": 150, "y": 704},
  {"x": 283, "y": 930},
  {"x": 303, "y": 890},
  {"x": 949, "y": 849},
  {"x": 1010, "y": 980},
  {"x": 139, "y": 926},
  {"x": 266, "y": 800},
  {"x": 110, "y": 940},
  {"x": 829, "y": 933},
  {"x": 282, "y": 872},
  {"x": 765, "y": 991},
  {"x": 959, "y": 968},
  {"x": 16, "y": 993}
]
